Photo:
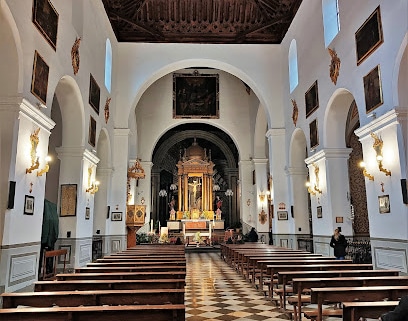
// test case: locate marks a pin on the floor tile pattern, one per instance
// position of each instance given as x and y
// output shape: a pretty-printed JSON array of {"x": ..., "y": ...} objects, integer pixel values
[{"x": 215, "y": 291}]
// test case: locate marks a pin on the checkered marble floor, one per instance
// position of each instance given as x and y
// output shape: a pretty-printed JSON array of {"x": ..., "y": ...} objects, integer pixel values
[{"x": 214, "y": 291}]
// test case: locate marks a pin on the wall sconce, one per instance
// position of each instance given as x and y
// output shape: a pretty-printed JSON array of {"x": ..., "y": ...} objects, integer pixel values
[
  {"x": 262, "y": 197},
  {"x": 229, "y": 192},
  {"x": 162, "y": 193},
  {"x": 46, "y": 167},
  {"x": 35, "y": 162},
  {"x": 173, "y": 187},
  {"x": 216, "y": 187},
  {"x": 378, "y": 145},
  {"x": 365, "y": 173},
  {"x": 93, "y": 187},
  {"x": 310, "y": 189}
]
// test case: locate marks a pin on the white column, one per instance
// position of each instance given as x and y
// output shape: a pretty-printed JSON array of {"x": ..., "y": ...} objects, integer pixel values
[
  {"x": 119, "y": 179},
  {"x": 261, "y": 182},
  {"x": 248, "y": 200},
  {"x": 278, "y": 169},
  {"x": 328, "y": 171},
  {"x": 298, "y": 176}
]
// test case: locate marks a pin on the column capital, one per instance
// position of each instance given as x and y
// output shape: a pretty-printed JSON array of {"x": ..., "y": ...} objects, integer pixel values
[
  {"x": 293, "y": 171},
  {"x": 32, "y": 113},
  {"x": 121, "y": 131},
  {"x": 383, "y": 121},
  {"x": 329, "y": 153},
  {"x": 260, "y": 161},
  {"x": 275, "y": 132}
]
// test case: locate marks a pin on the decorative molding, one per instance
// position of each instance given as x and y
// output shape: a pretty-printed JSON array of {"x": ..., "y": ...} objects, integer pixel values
[
  {"x": 275, "y": 132},
  {"x": 23, "y": 267},
  {"x": 29, "y": 111},
  {"x": 387, "y": 258},
  {"x": 388, "y": 119}
]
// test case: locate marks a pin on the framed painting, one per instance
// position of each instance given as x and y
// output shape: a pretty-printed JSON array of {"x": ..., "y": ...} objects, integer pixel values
[
  {"x": 195, "y": 95},
  {"x": 369, "y": 36},
  {"x": 87, "y": 213},
  {"x": 116, "y": 216},
  {"x": 312, "y": 99},
  {"x": 314, "y": 134},
  {"x": 282, "y": 215},
  {"x": 373, "y": 89},
  {"x": 384, "y": 204},
  {"x": 39, "y": 80},
  {"x": 92, "y": 131},
  {"x": 108, "y": 211},
  {"x": 68, "y": 200},
  {"x": 319, "y": 212},
  {"x": 339, "y": 219},
  {"x": 94, "y": 94},
  {"x": 45, "y": 18},
  {"x": 29, "y": 205},
  {"x": 61, "y": 258}
]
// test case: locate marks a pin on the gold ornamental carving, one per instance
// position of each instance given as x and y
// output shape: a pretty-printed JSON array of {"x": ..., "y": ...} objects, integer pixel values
[
  {"x": 107, "y": 103},
  {"x": 262, "y": 217},
  {"x": 334, "y": 65},
  {"x": 75, "y": 55},
  {"x": 295, "y": 112},
  {"x": 136, "y": 171}
]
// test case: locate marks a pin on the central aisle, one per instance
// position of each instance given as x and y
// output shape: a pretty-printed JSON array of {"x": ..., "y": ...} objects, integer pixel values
[{"x": 214, "y": 291}]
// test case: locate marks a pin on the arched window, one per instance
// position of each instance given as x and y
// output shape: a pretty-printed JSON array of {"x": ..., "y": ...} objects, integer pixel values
[
  {"x": 331, "y": 20},
  {"x": 108, "y": 65},
  {"x": 293, "y": 66}
]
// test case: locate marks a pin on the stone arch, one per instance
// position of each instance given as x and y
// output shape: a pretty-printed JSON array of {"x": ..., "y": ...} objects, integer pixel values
[
  {"x": 260, "y": 140},
  {"x": 400, "y": 80},
  {"x": 70, "y": 100}
]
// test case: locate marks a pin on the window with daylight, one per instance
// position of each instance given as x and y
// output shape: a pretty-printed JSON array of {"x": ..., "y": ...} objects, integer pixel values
[
  {"x": 108, "y": 65},
  {"x": 331, "y": 20},
  {"x": 293, "y": 66}
]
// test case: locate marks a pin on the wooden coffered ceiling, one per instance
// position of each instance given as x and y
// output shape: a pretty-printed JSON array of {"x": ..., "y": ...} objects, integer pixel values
[{"x": 201, "y": 21}]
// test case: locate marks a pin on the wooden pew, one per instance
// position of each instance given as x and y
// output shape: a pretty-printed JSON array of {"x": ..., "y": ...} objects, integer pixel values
[
  {"x": 300, "y": 284},
  {"x": 141, "y": 259},
  {"x": 122, "y": 275},
  {"x": 137, "y": 263},
  {"x": 352, "y": 311},
  {"x": 113, "y": 269},
  {"x": 273, "y": 270},
  {"x": 321, "y": 296},
  {"x": 82, "y": 285},
  {"x": 166, "y": 312},
  {"x": 94, "y": 297}
]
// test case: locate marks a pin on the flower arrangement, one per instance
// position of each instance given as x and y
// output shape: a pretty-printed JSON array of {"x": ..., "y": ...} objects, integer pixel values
[
  {"x": 186, "y": 214},
  {"x": 164, "y": 238},
  {"x": 197, "y": 238}
]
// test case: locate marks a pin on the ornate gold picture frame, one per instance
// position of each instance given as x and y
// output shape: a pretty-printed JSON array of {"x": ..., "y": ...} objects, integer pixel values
[
  {"x": 68, "y": 200},
  {"x": 312, "y": 99},
  {"x": 369, "y": 36},
  {"x": 39, "y": 80},
  {"x": 373, "y": 89},
  {"x": 45, "y": 18}
]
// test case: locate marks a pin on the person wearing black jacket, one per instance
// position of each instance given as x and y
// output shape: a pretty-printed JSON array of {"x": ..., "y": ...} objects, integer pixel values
[
  {"x": 400, "y": 313},
  {"x": 339, "y": 243}
]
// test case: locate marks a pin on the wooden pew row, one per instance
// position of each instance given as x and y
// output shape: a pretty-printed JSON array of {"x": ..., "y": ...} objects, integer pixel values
[
  {"x": 273, "y": 270},
  {"x": 263, "y": 264},
  {"x": 152, "y": 268},
  {"x": 228, "y": 250},
  {"x": 92, "y": 298},
  {"x": 138, "y": 263},
  {"x": 83, "y": 285},
  {"x": 301, "y": 284},
  {"x": 326, "y": 295},
  {"x": 141, "y": 259},
  {"x": 254, "y": 263},
  {"x": 353, "y": 311},
  {"x": 122, "y": 275},
  {"x": 167, "y": 312},
  {"x": 236, "y": 256}
]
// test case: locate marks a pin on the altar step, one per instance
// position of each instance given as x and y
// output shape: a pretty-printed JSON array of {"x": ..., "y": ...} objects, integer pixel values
[{"x": 192, "y": 248}]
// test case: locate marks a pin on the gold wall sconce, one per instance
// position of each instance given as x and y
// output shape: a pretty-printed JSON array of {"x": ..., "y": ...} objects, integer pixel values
[
  {"x": 262, "y": 197},
  {"x": 46, "y": 167},
  {"x": 93, "y": 187},
  {"x": 35, "y": 161},
  {"x": 310, "y": 189},
  {"x": 316, "y": 187},
  {"x": 378, "y": 145},
  {"x": 365, "y": 173}
]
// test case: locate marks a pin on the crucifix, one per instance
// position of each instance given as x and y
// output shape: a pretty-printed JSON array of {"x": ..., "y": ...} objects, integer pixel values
[
  {"x": 31, "y": 187},
  {"x": 382, "y": 187}
]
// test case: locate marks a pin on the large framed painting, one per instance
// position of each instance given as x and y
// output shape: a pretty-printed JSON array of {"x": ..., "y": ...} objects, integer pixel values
[
  {"x": 94, "y": 94},
  {"x": 369, "y": 36},
  {"x": 373, "y": 89},
  {"x": 311, "y": 99},
  {"x": 39, "y": 80},
  {"x": 45, "y": 18},
  {"x": 68, "y": 200},
  {"x": 314, "y": 135},
  {"x": 92, "y": 131},
  {"x": 195, "y": 95}
]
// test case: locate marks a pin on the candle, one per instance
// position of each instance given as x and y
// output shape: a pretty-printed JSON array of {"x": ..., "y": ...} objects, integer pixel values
[
  {"x": 151, "y": 226},
  {"x": 159, "y": 227}
]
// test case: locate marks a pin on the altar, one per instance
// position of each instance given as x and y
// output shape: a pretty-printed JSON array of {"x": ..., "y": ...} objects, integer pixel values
[{"x": 189, "y": 227}]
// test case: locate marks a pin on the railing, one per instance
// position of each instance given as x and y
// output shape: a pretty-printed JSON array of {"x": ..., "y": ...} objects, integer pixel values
[
  {"x": 144, "y": 229},
  {"x": 359, "y": 250}
]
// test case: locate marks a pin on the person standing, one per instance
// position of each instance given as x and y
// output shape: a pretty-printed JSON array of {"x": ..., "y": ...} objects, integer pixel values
[{"x": 339, "y": 243}]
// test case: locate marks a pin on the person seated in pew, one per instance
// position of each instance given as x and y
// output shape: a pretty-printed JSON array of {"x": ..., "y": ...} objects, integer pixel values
[
  {"x": 339, "y": 243},
  {"x": 400, "y": 313},
  {"x": 252, "y": 235}
]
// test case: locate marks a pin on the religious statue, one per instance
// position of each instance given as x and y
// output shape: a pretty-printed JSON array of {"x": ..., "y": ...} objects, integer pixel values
[
  {"x": 193, "y": 196},
  {"x": 218, "y": 211},
  {"x": 172, "y": 203}
]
